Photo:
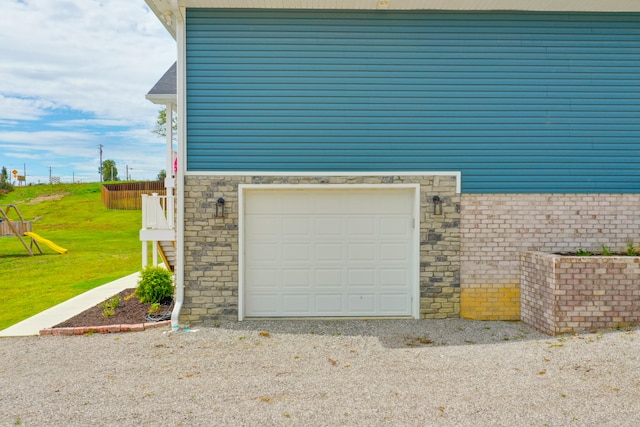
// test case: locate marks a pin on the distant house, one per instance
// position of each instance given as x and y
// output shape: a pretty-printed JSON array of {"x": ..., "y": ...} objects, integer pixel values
[{"x": 392, "y": 158}]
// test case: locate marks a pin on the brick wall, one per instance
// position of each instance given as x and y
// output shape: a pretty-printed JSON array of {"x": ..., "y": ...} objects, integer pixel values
[
  {"x": 496, "y": 228},
  {"x": 494, "y": 303},
  {"x": 570, "y": 293},
  {"x": 538, "y": 290},
  {"x": 211, "y": 244}
]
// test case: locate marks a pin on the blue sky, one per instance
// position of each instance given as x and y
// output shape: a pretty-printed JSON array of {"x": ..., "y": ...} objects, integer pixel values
[{"x": 73, "y": 76}]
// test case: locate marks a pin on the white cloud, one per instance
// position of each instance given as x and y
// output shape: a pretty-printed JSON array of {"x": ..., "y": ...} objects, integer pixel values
[
  {"x": 90, "y": 122},
  {"x": 49, "y": 143},
  {"x": 12, "y": 108},
  {"x": 73, "y": 75},
  {"x": 88, "y": 55},
  {"x": 22, "y": 156}
]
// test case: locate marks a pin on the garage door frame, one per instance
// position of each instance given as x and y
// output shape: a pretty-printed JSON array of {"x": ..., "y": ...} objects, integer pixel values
[{"x": 245, "y": 189}]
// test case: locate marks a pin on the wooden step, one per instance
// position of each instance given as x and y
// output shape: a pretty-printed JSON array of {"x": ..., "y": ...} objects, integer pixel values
[{"x": 167, "y": 251}]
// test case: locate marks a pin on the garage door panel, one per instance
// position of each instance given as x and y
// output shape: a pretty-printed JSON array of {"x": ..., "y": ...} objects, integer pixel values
[
  {"x": 328, "y": 278},
  {"x": 394, "y": 304},
  {"x": 361, "y": 227},
  {"x": 394, "y": 202},
  {"x": 362, "y": 304},
  {"x": 296, "y": 251},
  {"x": 395, "y": 227},
  {"x": 261, "y": 304},
  {"x": 329, "y": 253},
  {"x": 297, "y": 304},
  {"x": 394, "y": 252},
  {"x": 263, "y": 252},
  {"x": 361, "y": 277},
  {"x": 295, "y": 226},
  {"x": 295, "y": 278},
  {"x": 264, "y": 227},
  {"x": 300, "y": 203},
  {"x": 262, "y": 278},
  {"x": 393, "y": 277},
  {"x": 329, "y": 227},
  {"x": 365, "y": 201},
  {"x": 330, "y": 304},
  {"x": 361, "y": 252},
  {"x": 327, "y": 202},
  {"x": 261, "y": 204}
]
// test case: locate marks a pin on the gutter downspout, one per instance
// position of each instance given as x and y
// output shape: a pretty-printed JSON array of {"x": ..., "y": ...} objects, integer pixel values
[{"x": 181, "y": 133}]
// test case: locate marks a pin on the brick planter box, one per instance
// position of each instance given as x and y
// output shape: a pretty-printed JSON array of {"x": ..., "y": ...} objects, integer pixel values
[{"x": 561, "y": 294}]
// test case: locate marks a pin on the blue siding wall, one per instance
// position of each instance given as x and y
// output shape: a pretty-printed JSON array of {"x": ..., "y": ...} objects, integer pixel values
[{"x": 519, "y": 102}]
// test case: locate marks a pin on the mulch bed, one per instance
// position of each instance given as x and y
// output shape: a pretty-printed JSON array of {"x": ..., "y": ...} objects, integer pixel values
[{"x": 130, "y": 311}]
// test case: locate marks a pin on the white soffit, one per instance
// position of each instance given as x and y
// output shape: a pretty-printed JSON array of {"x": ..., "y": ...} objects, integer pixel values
[
  {"x": 164, "y": 9},
  {"x": 162, "y": 99}
]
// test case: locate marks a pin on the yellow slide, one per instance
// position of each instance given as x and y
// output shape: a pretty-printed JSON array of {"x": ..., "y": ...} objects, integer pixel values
[{"x": 49, "y": 243}]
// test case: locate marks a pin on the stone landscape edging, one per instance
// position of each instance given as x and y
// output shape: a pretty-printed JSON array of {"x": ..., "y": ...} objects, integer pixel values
[{"x": 106, "y": 329}]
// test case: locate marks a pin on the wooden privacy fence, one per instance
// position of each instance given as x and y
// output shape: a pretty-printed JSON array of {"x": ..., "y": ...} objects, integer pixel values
[{"x": 128, "y": 195}]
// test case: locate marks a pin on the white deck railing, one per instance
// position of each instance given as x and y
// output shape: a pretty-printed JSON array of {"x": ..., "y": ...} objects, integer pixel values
[
  {"x": 158, "y": 224},
  {"x": 158, "y": 212}
]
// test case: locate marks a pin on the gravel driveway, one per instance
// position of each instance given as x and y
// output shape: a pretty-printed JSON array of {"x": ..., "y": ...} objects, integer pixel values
[{"x": 324, "y": 373}]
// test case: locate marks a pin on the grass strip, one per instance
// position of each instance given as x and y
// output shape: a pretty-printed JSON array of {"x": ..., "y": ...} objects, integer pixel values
[{"x": 103, "y": 246}]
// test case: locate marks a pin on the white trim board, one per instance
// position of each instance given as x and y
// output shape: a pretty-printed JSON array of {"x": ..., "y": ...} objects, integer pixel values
[
  {"x": 457, "y": 175},
  {"x": 166, "y": 10},
  {"x": 160, "y": 6}
]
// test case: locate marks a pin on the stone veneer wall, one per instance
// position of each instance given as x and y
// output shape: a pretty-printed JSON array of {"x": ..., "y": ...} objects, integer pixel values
[
  {"x": 569, "y": 293},
  {"x": 211, "y": 244},
  {"x": 496, "y": 228}
]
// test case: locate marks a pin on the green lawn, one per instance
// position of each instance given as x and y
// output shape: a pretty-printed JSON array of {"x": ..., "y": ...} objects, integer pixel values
[{"x": 103, "y": 245}]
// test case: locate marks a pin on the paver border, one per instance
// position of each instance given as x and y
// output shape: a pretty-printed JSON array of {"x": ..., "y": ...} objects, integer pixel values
[{"x": 106, "y": 329}]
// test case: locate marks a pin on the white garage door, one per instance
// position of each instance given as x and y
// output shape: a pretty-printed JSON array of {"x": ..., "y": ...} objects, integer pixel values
[{"x": 329, "y": 252}]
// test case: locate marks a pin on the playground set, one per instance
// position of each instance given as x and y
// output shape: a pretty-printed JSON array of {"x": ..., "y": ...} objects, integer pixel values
[{"x": 22, "y": 227}]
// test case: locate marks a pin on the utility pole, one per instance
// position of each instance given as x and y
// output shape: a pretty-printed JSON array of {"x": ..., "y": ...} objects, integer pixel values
[
  {"x": 100, "y": 168},
  {"x": 50, "y": 182}
]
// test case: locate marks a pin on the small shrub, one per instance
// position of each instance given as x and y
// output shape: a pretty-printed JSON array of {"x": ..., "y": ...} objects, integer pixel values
[
  {"x": 6, "y": 187},
  {"x": 109, "y": 306},
  {"x": 606, "y": 251},
  {"x": 155, "y": 285},
  {"x": 631, "y": 251},
  {"x": 582, "y": 252},
  {"x": 5, "y": 181},
  {"x": 155, "y": 307}
]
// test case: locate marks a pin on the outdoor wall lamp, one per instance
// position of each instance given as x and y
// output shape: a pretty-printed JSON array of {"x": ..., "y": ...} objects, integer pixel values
[
  {"x": 220, "y": 208},
  {"x": 437, "y": 205}
]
